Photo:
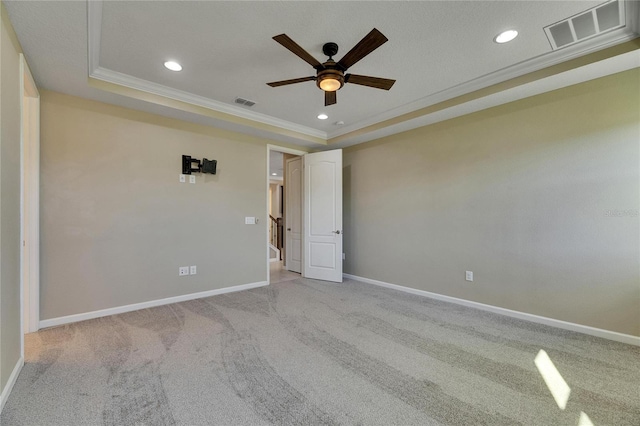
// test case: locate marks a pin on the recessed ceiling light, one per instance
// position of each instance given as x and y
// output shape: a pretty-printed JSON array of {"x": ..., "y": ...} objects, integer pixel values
[
  {"x": 323, "y": 116},
  {"x": 274, "y": 174},
  {"x": 505, "y": 36},
  {"x": 173, "y": 66}
]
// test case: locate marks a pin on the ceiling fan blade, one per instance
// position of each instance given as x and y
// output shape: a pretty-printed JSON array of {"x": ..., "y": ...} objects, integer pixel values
[
  {"x": 330, "y": 98},
  {"x": 368, "y": 44},
  {"x": 284, "y": 40},
  {"x": 365, "y": 80},
  {"x": 292, "y": 81}
]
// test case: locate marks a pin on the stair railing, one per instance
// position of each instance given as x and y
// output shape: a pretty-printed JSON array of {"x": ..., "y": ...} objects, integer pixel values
[{"x": 276, "y": 231}]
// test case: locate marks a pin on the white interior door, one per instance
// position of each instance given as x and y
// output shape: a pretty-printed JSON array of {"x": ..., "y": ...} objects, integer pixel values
[
  {"x": 293, "y": 216},
  {"x": 323, "y": 215}
]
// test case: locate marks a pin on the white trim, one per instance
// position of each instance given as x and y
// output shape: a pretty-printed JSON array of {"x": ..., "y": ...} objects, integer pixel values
[
  {"x": 531, "y": 65},
  {"x": 273, "y": 259},
  {"x": 588, "y": 72},
  {"x": 285, "y": 150},
  {"x": 23, "y": 269},
  {"x": 144, "y": 305},
  {"x": 12, "y": 381},
  {"x": 29, "y": 207},
  {"x": 31, "y": 89},
  {"x": 94, "y": 33},
  {"x": 585, "y": 329},
  {"x": 147, "y": 86}
]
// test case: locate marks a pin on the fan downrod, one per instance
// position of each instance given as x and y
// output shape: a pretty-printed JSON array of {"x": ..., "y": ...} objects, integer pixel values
[{"x": 330, "y": 49}]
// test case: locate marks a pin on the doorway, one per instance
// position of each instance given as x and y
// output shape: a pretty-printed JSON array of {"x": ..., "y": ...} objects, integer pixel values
[
  {"x": 29, "y": 203},
  {"x": 312, "y": 215},
  {"x": 284, "y": 245}
]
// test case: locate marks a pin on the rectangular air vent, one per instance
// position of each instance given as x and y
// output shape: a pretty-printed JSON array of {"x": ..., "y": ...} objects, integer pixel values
[
  {"x": 245, "y": 102},
  {"x": 591, "y": 23}
]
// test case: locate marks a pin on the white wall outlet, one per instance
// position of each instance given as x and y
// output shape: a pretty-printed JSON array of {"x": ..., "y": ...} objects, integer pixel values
[
  {"x": 469, "y": 275},
  {"x": 183, "y": 270},
  {"x": 193, "y": 270},
  {"x": 249, "y": 220},
  {"x": 183, "y": 178},
  {"x": 192, "y": 179}
]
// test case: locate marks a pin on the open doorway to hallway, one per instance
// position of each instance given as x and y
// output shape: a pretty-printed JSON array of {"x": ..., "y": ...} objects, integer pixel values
[
  {"x": 284, "y": 209},
  {"x": 275, "y": 200},
  {"x": 312, "y": 225}
]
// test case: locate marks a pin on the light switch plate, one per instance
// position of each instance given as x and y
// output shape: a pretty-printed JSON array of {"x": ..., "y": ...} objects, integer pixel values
[
  {"x": 249, "y": 220},
  {"x": 193, "y": 270},
  {"x": 183, "y": 270},
  {"x": 192, "y": 179},
  {"x": 183, "y": 178},
  {"x": 469, "y": 275}
]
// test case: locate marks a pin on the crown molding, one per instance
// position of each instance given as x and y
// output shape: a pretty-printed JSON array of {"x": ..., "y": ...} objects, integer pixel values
[
  {"x": 94, "y": 34},
  {"x": 629, "y": 32},
  {"x": 531, "y": 65},
  {"x": 147, "y": 86},
  {"x": 616, "y": 64}
]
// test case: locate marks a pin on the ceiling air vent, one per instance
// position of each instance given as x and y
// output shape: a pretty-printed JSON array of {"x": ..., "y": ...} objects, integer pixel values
[
  {"x": 245, "y": 102},
  {"x": 593, "y": 22}
]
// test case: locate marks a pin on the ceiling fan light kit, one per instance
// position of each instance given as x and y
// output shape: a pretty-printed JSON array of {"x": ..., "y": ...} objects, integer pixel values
[
  {"x": 330, "y": 75},
  {"x": 330, "y": 80}
]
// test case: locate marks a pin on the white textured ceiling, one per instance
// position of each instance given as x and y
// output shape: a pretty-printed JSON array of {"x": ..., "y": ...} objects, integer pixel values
[
  {"x": 227, "y": 51},
  {"x": 276, "y": 164}
]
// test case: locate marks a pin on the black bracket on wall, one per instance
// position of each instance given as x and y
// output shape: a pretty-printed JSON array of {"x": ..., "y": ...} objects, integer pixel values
[
  {"x": 204, "y": 166},
  {"x": 186, "y": 165}
]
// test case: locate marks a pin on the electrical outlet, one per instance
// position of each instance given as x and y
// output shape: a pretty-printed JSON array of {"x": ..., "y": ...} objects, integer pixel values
[
  {"x": 192, "y": 179},
  {"x": 183, "y": 178},
  {"x": 193, "y": 270},
  {"x": 183, "y": 270},
  {"x": 249, "y": 220},
  {"x": 469, "y": 276}
]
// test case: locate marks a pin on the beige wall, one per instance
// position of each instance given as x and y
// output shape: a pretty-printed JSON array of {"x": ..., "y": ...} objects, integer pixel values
[
  {"x": 519, "y": 195},
  {"x": 116, "y": 223},
  {"x": 9, "y": 200}
]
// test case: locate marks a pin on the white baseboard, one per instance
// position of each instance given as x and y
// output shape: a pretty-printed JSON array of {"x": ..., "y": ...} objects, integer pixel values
[
  {"x": 12, "y": 381},
  {"x": 150, "y": 304},
  {"x": 598, "y": 332}
]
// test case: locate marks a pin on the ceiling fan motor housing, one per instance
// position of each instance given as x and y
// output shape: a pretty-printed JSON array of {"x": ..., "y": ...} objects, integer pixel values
[{"x": 330, "y": 49}]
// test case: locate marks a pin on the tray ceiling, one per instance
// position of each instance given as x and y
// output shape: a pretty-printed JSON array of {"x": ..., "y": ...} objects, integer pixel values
[{"x": 436, "y": 51}]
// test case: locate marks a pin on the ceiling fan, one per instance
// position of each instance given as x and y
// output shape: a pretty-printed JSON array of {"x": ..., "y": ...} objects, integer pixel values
[{"x": 330, "y": 76}]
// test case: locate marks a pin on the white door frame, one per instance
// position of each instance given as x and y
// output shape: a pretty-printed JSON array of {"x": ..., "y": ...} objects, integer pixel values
[
  {"x": 29, "y": 203},
  {"x": 266, "y": 219}
]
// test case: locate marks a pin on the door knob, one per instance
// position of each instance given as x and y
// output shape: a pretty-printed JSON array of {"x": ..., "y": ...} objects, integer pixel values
[
  {"x": 288, "y": 229},
  {"x": 336, "y": 232}
]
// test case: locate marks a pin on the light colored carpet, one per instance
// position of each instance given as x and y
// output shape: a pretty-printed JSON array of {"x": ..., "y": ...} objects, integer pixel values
[{"x": 306, "y": 352}]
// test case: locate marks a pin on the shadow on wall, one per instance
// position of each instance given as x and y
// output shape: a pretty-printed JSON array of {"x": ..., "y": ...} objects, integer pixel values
[{"x": 346, "y": 215}]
